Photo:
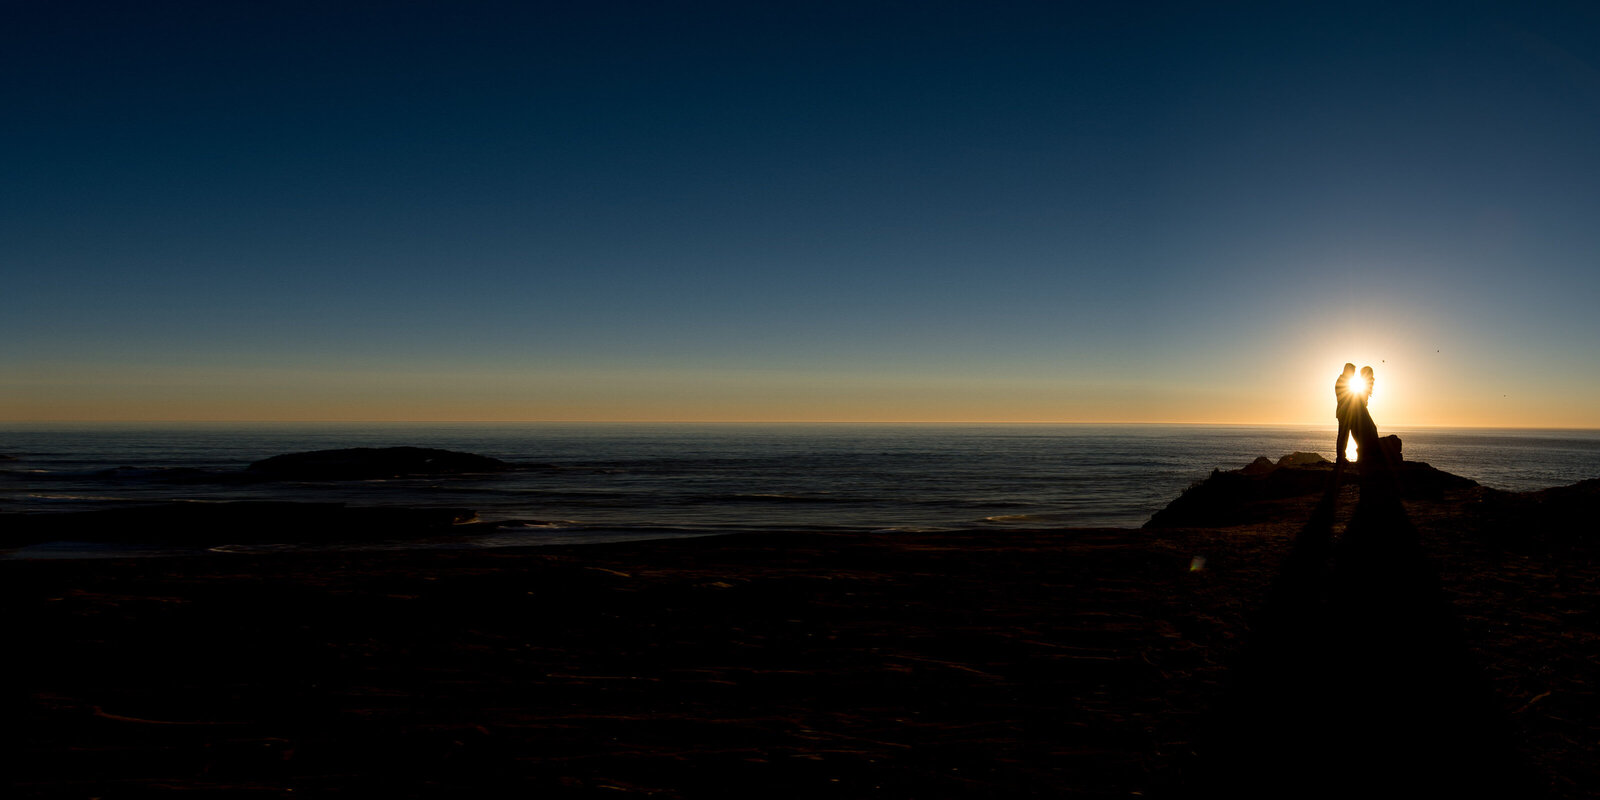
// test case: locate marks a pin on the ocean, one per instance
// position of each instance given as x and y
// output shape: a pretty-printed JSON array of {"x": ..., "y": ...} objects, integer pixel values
[{"x": 610, "y": 481}]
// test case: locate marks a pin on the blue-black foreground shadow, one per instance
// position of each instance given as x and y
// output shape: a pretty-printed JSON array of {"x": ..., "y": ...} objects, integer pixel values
[{"x": 1357, "y": 679}]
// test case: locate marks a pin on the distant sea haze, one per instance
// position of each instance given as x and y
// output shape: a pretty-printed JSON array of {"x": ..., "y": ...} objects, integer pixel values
[{"x": 604, "y": 481}]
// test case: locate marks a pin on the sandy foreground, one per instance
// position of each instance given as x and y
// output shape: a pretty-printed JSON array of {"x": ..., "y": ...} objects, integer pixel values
[{"x": 1056, "y": 662}]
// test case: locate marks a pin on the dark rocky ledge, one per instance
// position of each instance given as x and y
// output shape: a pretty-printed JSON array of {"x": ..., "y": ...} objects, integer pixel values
[{"x": 1243, "y": 496}]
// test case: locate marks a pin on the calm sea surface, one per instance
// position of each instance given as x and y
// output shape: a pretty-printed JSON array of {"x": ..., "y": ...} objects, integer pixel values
[{"x": 609, "y": 481}]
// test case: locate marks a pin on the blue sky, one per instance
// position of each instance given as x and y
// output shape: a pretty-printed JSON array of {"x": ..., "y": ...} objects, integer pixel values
[{"x": 918, "y": 211}]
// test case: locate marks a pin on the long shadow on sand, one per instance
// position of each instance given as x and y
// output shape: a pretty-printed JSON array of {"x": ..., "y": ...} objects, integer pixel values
[{"x": 1357, "y": 679}]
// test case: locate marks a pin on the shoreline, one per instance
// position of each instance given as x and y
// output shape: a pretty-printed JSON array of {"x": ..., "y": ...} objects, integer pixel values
[{"x": 159, "y": 528}]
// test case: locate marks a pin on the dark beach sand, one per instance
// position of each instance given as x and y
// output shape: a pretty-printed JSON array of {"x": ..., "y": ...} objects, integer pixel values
[{"x": 1044, "y": 663}]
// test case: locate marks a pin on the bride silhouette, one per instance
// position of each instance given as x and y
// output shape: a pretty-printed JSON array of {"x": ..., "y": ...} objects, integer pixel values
[{"x": 1362, "y": 427}]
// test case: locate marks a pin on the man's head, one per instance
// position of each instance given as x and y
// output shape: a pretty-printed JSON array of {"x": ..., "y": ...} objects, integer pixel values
[
  {"x": 1366, "y": 372},
  {"x": 1349, "y": 369}
]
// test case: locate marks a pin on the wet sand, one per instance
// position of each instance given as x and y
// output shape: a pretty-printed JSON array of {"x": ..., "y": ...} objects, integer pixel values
[{"x": 1076, "y": 662}]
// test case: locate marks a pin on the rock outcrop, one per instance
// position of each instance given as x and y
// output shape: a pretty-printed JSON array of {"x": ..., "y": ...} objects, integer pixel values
[
  {"x": 1302, "y": 459},
  {"x": 1235, "y": 496},
  {"x": 367, "y": 463},
  {"x": 1242, "y": 496},
  {"x": 1558, "y": 518}
]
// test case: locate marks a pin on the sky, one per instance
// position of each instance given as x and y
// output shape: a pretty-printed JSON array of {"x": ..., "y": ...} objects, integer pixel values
[{"x": 810, "y": 211}]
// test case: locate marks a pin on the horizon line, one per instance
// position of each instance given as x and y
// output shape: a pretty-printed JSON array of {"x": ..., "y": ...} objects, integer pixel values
[{"x": 1401, "y": 426}]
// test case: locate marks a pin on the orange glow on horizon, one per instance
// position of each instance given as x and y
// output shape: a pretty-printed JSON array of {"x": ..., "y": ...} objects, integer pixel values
[{"x": 1287, "y": 391}]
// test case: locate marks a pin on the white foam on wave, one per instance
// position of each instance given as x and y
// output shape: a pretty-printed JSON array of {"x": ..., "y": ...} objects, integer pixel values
[
  {"x": 254, "y": 548},
  {"x": 1014, "y": 518}
]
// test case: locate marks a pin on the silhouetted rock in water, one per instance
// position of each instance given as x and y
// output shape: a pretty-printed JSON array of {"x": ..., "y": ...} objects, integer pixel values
[
  {"x": 363, "y": 463},
  {"x": 237, "y": 522}
]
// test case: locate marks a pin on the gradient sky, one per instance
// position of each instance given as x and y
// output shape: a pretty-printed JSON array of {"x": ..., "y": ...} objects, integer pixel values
[{"x": 918, "y": 211}]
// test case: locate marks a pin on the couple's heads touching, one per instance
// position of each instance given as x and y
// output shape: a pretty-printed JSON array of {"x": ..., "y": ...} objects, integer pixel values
[{"x": 1366, "y": 377}]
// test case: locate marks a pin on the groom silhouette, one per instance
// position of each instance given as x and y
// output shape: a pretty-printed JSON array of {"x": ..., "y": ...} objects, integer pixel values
[{"x": 1344, "y": 408}]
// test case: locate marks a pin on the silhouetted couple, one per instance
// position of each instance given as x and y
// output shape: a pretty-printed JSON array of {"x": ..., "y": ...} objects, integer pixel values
[{"x": 1350, "y": 405}]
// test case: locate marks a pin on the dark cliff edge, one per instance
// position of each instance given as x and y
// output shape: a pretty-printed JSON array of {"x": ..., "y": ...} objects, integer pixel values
[{"x": 1260, "y": 490}]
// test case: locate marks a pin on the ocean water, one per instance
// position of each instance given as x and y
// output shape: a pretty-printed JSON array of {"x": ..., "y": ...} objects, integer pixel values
[{"x": 608, "y": 481}]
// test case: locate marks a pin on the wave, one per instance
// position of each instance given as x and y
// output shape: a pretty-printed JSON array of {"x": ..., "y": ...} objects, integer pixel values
[
  {"x": 1031, "y": 519},
  {"x": 533, "y": 524},
  {"x": 1011, "y": 518},
  {"x": 781, "y": 497},
  {"x": 135, "y": 475},
  {"x": 255, "y": 548},
  {"x": 77, "y": 499}
]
